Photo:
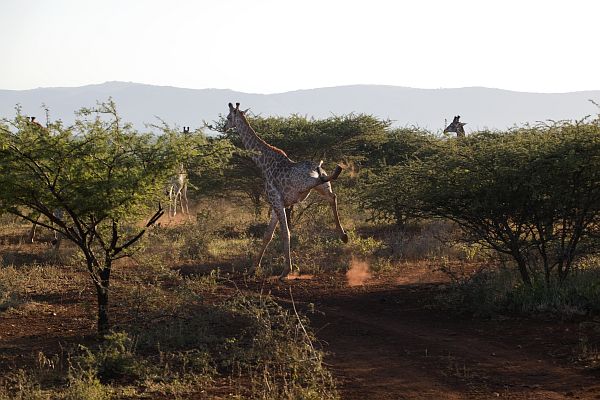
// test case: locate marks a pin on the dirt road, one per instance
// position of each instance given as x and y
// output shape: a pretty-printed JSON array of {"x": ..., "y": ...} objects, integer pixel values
[{"x": 389, "y": 341}]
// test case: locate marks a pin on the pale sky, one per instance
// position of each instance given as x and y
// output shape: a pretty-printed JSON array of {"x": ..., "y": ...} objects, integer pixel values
[{"x": 270, "y": 46}]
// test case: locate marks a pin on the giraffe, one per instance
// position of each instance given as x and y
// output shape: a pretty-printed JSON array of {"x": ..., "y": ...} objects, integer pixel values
[
  {"x": 36, "y": 124},
  {"x": 457, "y": 127},
  {"x": 177, "y": 189},
  {"x": 286, "y": 183},
  {"x": 58, "y": 213}
]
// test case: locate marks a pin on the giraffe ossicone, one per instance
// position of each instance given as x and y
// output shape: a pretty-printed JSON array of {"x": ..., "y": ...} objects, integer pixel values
[{"x": 286, "y": 183}]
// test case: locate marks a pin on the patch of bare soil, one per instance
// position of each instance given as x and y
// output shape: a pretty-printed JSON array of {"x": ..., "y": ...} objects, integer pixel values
[
  {"x": 48, "y": 324},
  {"x": 388, "y": 340}
]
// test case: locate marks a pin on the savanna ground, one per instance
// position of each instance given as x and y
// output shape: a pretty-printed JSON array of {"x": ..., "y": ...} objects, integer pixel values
[{"x": 395, "y": 315}]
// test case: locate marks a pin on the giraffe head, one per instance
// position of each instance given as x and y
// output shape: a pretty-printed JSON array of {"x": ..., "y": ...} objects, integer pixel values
[
  {"x": 456, "y": 126},
  {"x": 234, "y": 113}
]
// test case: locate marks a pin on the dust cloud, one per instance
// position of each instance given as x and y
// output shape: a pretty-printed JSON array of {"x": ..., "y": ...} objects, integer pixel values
[{"x": 358, "y": 273}]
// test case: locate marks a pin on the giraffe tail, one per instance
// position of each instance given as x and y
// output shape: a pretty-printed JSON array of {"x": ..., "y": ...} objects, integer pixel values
[{"x": 326, "y": 178}]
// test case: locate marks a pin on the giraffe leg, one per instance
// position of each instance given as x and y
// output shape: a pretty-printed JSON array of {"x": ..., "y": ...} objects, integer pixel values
[
  {"x": 184, "y": 200},
  {"x": 266, "y": 240},
  {"x": 56, "y": 241},
  {"x": 278, "y": 208},
  {"x": 58, "y": 213},
  {"x": 326, "y": 192},
  {"x": 285, "y": 236},
  {"x": 171, "y": 201},
  {"x": 175, "y": 203},
  {"x": 32, "y": 232},
  {"x": 288, "y": 212}
]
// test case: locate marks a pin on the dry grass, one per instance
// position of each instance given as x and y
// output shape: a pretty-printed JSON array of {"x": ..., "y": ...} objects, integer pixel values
[
  {"x": 182, "y": 330},
  {"x": 176, "y": 335}
]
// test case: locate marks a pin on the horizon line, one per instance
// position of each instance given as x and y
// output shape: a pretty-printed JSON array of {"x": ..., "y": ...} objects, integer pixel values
[{"x": 131, "y": 83}]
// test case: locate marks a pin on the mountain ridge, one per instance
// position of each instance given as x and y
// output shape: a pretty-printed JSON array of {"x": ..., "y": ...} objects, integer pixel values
[{"x": 140, "y": 103}]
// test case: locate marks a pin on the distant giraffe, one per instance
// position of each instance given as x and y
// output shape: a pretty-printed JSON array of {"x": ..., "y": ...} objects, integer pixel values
[
  {"x": 36, "y": 124},
  {"x": 58, "y": 213},
  {"x": 177, "y": 188},
  {"x": 286, "y": 183},
  {"x": 457, "y": 127}
]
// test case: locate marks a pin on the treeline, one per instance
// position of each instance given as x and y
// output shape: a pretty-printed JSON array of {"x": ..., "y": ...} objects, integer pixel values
[{"x": 532, "y": 194}]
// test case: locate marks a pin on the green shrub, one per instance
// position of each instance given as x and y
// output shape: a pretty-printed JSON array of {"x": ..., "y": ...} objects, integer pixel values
[
  {"x": 113, "y": 360},
  {"x": 22, "y": 385},
  {"x": 86, "y": 386},
  {"x": 278, "y": 353},
  {"x": 8, "y": 297},
  {"x": 490, "y": 291},
  {"x": 578, "y": 295}
]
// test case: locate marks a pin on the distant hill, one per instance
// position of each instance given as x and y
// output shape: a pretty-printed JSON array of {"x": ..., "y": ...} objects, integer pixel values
[{"x": 426, "y": 108}]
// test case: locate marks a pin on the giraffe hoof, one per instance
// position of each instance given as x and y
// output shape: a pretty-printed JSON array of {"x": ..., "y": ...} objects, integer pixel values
[
  {"x": 345, "y": 237},
  {"x": 284, "y": 275}
]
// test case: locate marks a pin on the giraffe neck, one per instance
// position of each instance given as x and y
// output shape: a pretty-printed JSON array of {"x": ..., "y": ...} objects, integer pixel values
[{"x": 263, "y": 152}]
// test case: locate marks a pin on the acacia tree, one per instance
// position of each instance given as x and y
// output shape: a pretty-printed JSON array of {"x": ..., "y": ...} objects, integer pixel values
[
  {"x": 381, "y": 192},
  {"x": 532, "y": 193},
  {"x": 104, "y": 176}
]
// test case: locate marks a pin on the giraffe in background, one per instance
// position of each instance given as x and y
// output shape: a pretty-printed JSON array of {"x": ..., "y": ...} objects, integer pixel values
[
  {"x": 457, "y": 127},
  {"x": 286, "y": 183},
  {"x": 177, "y": 188},
  {"x": 58, "y": 213},
  {"x": 36, "y": 124},
  {"x": 178, "y": 191}
]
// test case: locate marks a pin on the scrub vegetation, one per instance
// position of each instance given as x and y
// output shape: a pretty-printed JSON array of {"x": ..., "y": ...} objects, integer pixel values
[{"x": 137, "y": 304}]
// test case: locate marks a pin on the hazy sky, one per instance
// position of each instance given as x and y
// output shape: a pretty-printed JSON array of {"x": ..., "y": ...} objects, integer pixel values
[{"x": 267, "y": 46}]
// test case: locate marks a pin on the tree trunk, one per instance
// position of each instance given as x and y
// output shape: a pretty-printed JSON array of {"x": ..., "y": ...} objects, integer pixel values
[
  {"x": 521, "y": 262},
  {"x": 523, "y": 270},
  {"x": 103, "y": 323},
  {"x": 102, "y": 292}
]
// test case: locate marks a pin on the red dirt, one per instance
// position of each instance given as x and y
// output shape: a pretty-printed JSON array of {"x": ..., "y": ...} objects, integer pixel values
[{"x": 385, "y": 340}]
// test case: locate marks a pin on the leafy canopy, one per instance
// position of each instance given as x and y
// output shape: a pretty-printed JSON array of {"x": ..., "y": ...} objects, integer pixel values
[{"x": 531, "y": 193}]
